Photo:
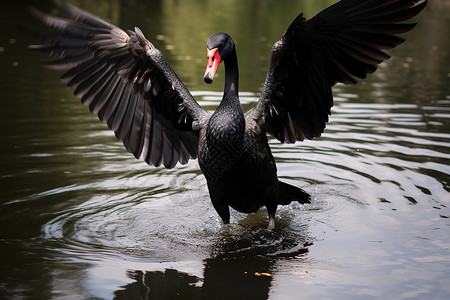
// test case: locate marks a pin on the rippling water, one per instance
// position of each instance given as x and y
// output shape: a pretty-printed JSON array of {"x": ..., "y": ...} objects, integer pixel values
[{"x": 80, "y": 217}]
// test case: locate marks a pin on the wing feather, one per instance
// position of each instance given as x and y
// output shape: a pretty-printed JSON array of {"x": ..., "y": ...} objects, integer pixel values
[
  {"x": 124, "y": 79},
  {"x": 138, "y": 123},
  {"x": 103, "y": 97},
  {"x": 343, "y": 43}
]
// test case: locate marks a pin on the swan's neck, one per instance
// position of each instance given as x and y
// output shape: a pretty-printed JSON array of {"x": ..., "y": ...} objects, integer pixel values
[{"x": 231, "y": 76}]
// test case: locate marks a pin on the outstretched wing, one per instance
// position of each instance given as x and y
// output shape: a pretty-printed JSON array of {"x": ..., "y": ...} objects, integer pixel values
[
  {"x": 343, "y": 43},
  {"x": 124, "y": 79}
]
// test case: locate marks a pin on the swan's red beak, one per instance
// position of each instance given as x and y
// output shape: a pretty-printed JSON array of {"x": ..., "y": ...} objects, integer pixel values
[{"x": 213, "y": 63}]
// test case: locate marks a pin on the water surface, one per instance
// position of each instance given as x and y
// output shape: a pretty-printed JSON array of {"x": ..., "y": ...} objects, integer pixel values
[{"x": 81, "y": 218}]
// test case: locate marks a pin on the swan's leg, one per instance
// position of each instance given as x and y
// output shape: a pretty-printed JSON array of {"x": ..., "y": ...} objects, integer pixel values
[
  {"x": 224, "y": 213},
  {"x": 271, "y": 210}
]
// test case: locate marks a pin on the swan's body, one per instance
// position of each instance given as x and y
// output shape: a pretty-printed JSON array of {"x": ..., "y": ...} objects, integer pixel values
[
  {"x": 234, "y": 154},
  {"x": 128, "y": 83}
]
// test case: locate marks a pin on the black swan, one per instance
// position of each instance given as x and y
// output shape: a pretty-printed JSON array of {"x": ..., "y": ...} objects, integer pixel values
[{"x": 124, "y": 79}]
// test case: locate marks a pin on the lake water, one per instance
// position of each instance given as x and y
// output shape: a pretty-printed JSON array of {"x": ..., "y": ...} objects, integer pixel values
[{"x": 81, "y": 218}]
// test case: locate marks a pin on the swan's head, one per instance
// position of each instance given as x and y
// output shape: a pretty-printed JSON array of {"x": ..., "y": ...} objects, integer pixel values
[{"x": 219, "y": 47}]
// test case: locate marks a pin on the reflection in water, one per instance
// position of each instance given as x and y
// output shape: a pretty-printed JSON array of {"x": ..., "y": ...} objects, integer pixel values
[
  {"x": 80, "y": 218},
  {"x": 224, "y": 278},
  {"x": 241, "y": 268},
  {"x": 168, "y": 284}
]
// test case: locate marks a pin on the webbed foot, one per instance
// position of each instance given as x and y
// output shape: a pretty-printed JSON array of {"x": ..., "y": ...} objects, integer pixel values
[{"x": 271, "y": 224}]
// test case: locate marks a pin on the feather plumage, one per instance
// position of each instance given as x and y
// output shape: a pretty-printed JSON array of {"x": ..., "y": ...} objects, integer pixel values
[
  {"x": 122, "y": 81},
  {"x": 343, "y": 43}
]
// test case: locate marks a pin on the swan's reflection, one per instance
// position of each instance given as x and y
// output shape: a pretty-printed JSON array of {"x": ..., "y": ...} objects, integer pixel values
[{"x": 241, "y": 267}]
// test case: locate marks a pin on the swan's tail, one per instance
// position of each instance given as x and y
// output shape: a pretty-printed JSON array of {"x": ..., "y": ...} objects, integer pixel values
[{"x": 289, "y": 193}]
